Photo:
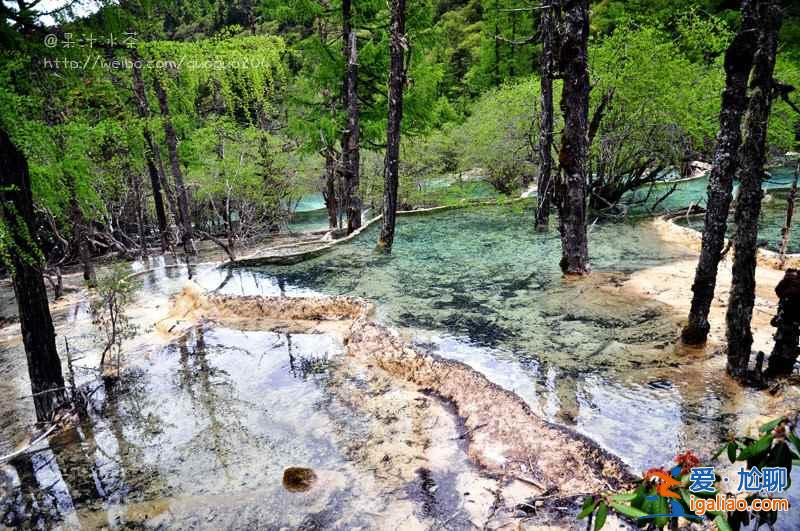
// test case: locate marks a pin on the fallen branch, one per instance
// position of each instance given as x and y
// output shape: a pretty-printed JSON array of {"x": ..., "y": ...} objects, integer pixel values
[
  {"x": 220, "y": 243},
  {"x": 466, "y": 433},
  {"x": 33, "y": 443}
]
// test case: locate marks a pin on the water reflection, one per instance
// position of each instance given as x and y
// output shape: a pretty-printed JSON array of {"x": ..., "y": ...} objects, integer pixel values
[
  {"x": 197, "y": 432},
  {"x": 78, "y": 477}
]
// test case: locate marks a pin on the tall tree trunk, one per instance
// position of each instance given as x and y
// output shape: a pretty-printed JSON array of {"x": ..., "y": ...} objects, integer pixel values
[
  {"x": 140, "y": 218},
  {"x": 350, "y": 147},
  {"x": 175, "y": 165},
  {"x": 752, "y": 157},
  {"x": 738, "y": 63},
  {"x": 26, "y": 262},
  {"x": 790, "y": 203},
  {"x": 571, "y": 188},
  {"x": 496, "y": 66},
  {"x": 544, "y": 186},
  {"x": 329, "y": 190},
  {"x": 397, "y": 49},
  {"x": 152, "y": 153}
]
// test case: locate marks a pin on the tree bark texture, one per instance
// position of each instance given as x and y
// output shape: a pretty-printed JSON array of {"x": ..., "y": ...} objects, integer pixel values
[
  {"x": 152, "y": 152},
  {"x": 738, "y": 63},
  {"x": 787, "y": 325},
  {"x": 790, "y": 203},
  {"x": 80, "y": 235},
  {"x": 571, "y": 188},
  {"x": 329, "y": 189},
  {"x": 397, "y": 50},
  {"x": 38, "y": 334},
  {"x": 751, "y": 171},
  {"x": 544, "y": 186}
]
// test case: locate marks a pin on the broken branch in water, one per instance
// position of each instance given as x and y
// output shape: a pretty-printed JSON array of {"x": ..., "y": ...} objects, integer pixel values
[{"x": 33, "y": 443}]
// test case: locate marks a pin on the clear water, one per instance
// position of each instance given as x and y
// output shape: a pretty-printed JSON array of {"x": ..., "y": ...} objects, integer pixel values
[
  {"x": 310, "y": 203},
  {"x": 482, "y": 286},
  {"x": 200, "y": 432},
  {"x": 645, "y": 201}
]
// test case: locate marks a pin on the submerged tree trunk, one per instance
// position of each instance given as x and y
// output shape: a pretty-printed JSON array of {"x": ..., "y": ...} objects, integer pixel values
[
  {"x": 80, "y": 235},
  {"x": 544, "y": 185},
  {"x": 152, "y": 154},
  {"x": 571, "y": 188},
  {"x": 175, "y": 165},
  {"x": 790, "y": 203},
  {"x": 748, "y": 207},
  {"x": 787, "y": 325},
  {"x": 350, "y": 147},
  {"x": 738, "y": 63},
  {"x": 25, "y": 260},
  {"x": 397, "y": 50},
  {"x": 329, "y": 188}
]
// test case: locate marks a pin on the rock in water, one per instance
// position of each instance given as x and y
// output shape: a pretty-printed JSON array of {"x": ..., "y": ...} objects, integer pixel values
[{"x": 298, "y": 479}]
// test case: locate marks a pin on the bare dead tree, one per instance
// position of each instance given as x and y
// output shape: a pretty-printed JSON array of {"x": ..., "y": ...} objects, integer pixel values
[
  {"x": 36, "y": 323},
  {"x": 350, "y": 146},
  {"x": 397, "y": 78},
  {"x": 548, "y": 31}
]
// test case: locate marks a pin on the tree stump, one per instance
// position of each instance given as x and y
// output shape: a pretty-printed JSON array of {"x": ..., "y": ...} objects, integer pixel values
[{"x": 787, "y": 325}]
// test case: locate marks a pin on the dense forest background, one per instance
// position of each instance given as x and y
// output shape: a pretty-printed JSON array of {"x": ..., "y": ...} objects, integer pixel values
[{"x": 236, "y": 113}]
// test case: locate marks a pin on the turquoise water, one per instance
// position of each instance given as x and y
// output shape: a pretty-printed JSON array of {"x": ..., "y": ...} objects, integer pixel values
[
  {"x": 310, "y": 214},
  {"x": 692, "y": 192},
  {"x": 771, "y": 222},
  {"x": 482, "y": 286},
  {"x": 211, "y": 421},
  {"x": 310, "y": 203}
]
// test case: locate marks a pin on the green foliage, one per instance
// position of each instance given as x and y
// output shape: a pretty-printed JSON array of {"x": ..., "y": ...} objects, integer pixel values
[
  {"x": 502, "y": 133},
  {"x": 778, "y": 446},
  {"x": 114, "y": 293},
  {"x": 658, "y": 91},
  {"x": 244, "y": 170},
  {"x": 269, "y": 73}
]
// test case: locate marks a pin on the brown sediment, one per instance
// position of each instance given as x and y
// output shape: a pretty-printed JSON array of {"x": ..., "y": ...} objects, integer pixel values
[
  {"x": 501, "y": 432},
  {"x": 293, "y": 314},
  {"x": 504, "y": 435}
]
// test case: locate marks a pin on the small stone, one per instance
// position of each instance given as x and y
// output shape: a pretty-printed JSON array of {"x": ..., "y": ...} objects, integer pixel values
[{"x": 298, "y": 479}]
